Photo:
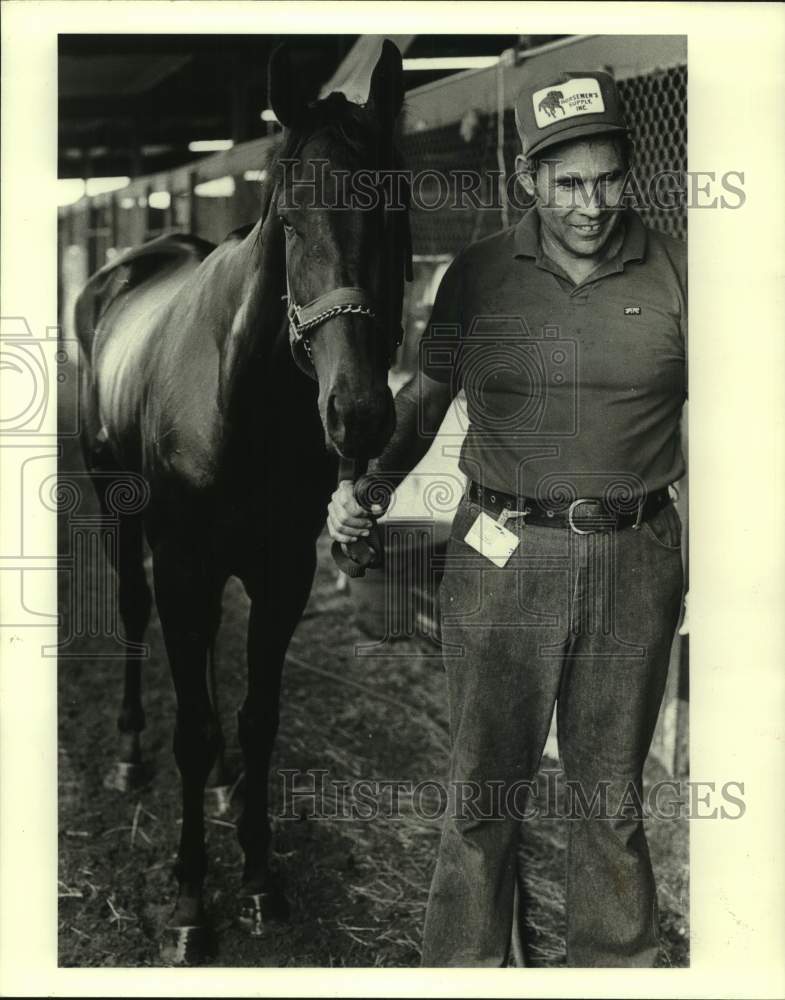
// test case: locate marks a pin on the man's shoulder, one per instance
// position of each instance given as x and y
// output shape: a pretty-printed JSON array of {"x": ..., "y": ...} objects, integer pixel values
[
  {"x": 660, "y": 243},
  {"x": 488, "y": 250}
]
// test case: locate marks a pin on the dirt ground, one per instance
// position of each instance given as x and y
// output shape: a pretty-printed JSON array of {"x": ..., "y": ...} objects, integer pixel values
[{"x": 357, "y": 887}]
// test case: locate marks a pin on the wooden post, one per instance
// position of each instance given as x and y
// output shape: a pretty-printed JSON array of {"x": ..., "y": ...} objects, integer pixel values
[
  {"x": 114, "y": 221},
  {"x": 681, "y": 764},
  {"x": 136, "y": 162},
  {"x": 147, "y": 230},
  {"x": 193, "y": 219},
  {"x": 169, "y": 214}
]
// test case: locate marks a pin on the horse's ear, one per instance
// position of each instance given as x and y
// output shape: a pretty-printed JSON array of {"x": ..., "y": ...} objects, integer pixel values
[
  {"x": 386, "y": 92},
  {"x": 289, "y": 91}
]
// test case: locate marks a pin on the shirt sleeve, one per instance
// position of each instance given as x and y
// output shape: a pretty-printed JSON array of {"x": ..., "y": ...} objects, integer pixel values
[{"x": 440, "y": 343}]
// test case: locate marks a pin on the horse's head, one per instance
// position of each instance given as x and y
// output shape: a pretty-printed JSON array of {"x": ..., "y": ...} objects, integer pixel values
[{"x": 345, "y": 255}]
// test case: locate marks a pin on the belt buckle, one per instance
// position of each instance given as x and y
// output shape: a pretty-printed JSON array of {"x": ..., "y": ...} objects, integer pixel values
[{"x": 571, "y": 522}]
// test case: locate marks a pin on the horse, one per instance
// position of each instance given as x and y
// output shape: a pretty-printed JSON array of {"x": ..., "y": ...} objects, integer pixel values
[{"x": 233, "y": 379}]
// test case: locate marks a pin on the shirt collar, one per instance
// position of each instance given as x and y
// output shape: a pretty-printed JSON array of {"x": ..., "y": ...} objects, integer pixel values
[{"x": 526, "y": 240}]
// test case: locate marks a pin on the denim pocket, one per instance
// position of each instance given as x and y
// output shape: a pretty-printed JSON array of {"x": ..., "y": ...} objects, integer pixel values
[{"x": 664, "y": 529}]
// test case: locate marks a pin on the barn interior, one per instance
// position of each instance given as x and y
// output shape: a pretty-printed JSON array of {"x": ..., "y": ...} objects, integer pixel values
[
  {"x": 132, "y": 104},
  {"x": 161, "y": 133}
]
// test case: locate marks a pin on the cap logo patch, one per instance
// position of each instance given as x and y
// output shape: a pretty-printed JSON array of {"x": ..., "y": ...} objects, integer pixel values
[{"x": 581, "y": 96}]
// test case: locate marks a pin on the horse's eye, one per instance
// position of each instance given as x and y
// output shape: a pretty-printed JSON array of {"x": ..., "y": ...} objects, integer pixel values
[{"x": 285, "y": 220}]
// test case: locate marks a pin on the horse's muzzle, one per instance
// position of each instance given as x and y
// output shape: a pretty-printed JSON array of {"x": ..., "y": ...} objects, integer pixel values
[{"x": 360, "y": 424}]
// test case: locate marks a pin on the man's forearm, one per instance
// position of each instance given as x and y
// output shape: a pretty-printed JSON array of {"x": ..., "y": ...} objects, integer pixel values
[{"x": 420, "y": 407}]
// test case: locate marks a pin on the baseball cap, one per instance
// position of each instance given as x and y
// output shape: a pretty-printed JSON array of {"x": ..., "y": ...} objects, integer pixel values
[{"x": 571, "y": 106}]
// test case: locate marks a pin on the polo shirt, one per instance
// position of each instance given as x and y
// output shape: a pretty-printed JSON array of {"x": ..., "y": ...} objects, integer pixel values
[{"x": 572, "y": 390}]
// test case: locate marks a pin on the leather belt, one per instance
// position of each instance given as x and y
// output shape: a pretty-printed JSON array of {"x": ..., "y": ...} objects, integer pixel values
[{"x": 584, "y": 516}]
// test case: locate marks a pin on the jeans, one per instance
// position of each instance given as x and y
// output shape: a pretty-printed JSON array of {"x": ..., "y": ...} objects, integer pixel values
[{"x": 583, "y": 622}]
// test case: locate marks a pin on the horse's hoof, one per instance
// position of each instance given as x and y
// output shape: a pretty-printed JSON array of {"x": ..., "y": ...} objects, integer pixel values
[
  {"x": 259, "y": 909},
  {"x": 185, "y": 945},
  {"x": 124, "y": 777},
  {"x": 218, "y": 800}
]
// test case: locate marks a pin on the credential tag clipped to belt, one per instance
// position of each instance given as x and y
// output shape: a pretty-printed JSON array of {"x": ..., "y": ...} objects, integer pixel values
[{"x": 492, "y": 540}]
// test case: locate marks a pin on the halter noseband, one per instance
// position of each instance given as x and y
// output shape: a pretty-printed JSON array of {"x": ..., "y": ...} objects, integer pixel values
[{"x": 304, "y": 320}]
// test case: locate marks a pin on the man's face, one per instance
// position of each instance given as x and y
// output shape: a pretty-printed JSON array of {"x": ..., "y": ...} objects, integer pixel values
[{"x": 577, "y": 194}]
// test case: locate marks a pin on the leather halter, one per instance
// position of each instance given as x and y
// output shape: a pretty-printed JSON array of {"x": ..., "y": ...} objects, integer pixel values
[
  {"x": 348, "y": 300},
  {"x": 304, "y": 320}
]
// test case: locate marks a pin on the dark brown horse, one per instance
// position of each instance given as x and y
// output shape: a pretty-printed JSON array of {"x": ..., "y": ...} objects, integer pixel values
[{"x": 191, "y": 381}]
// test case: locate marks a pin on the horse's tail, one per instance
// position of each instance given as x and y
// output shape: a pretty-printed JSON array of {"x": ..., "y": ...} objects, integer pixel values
[{"x": 84, "y": 309}]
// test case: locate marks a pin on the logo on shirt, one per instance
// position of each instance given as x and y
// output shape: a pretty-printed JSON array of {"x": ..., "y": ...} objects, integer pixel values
[
  {"x": 575, "y": 97},
  {"x": 632, "y": 310}
]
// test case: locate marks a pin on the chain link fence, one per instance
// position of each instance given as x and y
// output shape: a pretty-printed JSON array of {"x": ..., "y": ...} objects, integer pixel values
[{"x": 656, "y": 106}]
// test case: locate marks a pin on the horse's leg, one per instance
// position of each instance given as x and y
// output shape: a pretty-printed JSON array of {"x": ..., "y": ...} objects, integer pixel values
[
  {"x": 185, "y": 595},
  {"x": 219, "y": 783},
  {"x": 278, "y": 596},
  {"x": 135, "y": 602}
]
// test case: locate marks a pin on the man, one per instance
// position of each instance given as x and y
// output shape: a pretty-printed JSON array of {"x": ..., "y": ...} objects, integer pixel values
[{"x": 563, "y": 576}]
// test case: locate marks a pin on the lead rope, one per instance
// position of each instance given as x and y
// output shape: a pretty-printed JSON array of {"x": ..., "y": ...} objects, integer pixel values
[{"x": 354, "y": 558}]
